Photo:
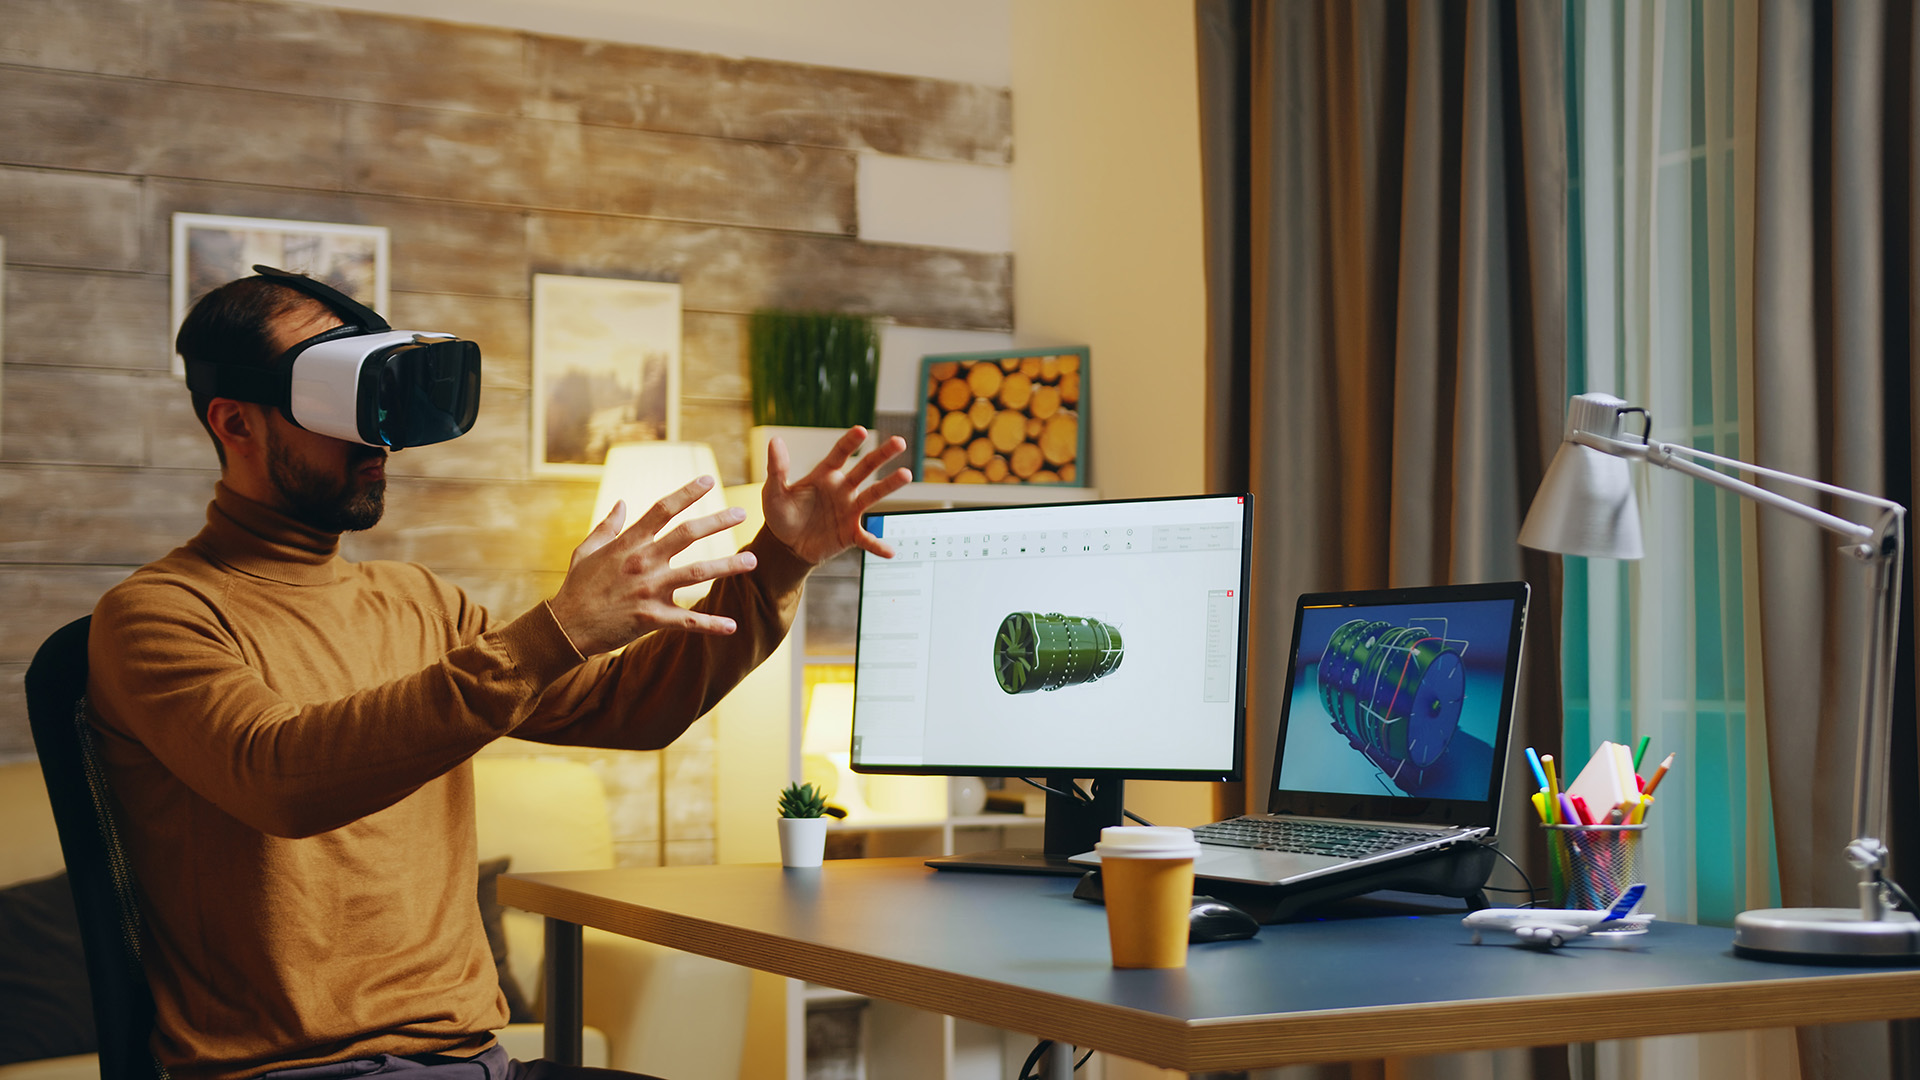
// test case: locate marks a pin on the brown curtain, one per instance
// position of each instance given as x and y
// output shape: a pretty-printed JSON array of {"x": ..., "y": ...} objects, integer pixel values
[
  {"x": 1386, "y": 189},
  {"x": 1834, "y": 194},
  {"x": 1387, "y": 253}
]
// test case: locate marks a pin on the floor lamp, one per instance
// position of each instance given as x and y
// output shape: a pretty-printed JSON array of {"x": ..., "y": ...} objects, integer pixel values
[{"x": 1585, "y": 506}]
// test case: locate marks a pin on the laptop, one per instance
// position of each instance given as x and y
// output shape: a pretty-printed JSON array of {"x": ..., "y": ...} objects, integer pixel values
[{"x": 1393, "y": 735}]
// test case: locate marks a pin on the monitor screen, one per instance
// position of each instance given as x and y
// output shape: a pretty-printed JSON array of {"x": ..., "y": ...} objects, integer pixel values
[
  {"x": 1400, "y": 698},
  {"x": 1092, "y": 639}
]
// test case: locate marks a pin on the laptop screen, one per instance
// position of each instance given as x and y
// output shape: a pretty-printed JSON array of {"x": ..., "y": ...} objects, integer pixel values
[{"x": 1399, "y": 703}]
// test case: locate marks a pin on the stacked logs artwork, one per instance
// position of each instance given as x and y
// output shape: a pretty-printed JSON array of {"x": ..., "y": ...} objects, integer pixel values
[{"x": 1004, "y": 419}]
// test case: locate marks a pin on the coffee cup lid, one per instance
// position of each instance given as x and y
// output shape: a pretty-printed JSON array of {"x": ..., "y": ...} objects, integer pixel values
[{"x": 1147, "y": 842}]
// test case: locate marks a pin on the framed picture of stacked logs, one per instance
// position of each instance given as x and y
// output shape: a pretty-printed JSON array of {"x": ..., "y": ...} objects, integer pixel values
[{"x": 1012, "y": 417}]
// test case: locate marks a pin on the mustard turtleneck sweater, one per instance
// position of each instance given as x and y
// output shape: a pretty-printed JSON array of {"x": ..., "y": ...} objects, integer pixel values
[{"x": 288, "y": 734}]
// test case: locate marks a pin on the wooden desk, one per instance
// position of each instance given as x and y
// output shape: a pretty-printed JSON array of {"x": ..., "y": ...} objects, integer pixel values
[{"x": 1020, "y": 953}]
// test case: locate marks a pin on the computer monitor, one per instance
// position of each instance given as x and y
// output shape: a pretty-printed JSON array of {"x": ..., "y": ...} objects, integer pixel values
[{"x": 1100, "y": 640}]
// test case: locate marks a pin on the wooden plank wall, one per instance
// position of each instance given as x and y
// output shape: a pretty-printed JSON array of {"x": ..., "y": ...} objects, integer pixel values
[{"x": 491, "y": 155}]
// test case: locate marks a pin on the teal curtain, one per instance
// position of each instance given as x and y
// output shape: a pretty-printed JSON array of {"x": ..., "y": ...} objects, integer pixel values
[{"x": 1656, "y": 162}]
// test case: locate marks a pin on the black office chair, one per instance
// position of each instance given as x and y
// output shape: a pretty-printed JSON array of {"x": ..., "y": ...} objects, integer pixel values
[{"x": 104, "y": 892}]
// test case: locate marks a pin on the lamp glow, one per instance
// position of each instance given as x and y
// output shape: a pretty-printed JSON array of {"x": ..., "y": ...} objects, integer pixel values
[
  {"x": 826, "y": 747},
  {"x": 1585, "y": 507},
  {"x": 643, "y": 472}
]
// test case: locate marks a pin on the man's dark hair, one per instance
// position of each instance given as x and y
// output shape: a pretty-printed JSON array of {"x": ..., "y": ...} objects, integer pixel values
[{"x": 233, "y": 325}]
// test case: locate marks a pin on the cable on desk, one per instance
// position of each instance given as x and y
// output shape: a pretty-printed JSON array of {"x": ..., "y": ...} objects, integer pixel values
[
  {"x": 1040, "y": 1048},
  {"x": 1076, "y": 794},
  {"x": 1533, "y": 895},
  {"x": 1079, "y": 795}
]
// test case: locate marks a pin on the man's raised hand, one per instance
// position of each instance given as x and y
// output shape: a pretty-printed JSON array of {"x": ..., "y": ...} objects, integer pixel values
[
  {"x": 818, "y": 515},
  {"x": 620, "y": 585}
]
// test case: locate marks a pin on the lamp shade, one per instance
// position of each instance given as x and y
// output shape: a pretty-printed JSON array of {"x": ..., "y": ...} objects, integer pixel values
[
  {"x": 1585, "y": 505},
  {"x": 747, "y": 497},
  {"x": 643, "y": 472},
  {"x": 829, "y": 720}
]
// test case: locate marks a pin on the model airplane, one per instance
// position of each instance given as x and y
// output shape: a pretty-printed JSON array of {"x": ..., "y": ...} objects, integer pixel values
[{"x": 1554, "y": 927}]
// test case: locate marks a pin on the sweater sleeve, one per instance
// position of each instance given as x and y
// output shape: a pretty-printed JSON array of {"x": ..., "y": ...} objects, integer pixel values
[
  {"x": 172, "y": 681},
  {"x": 654, "y": 689}
]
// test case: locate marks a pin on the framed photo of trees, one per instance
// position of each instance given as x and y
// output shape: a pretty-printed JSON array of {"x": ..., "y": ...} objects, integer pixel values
[{"x": 606, "y": 369}]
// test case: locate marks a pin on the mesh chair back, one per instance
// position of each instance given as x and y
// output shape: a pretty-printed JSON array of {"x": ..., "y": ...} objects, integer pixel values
[{"x": 104, "y": 892}]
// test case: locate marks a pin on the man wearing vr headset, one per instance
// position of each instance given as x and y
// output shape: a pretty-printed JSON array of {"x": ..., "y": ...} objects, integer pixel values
[{"x": 287, "y": 733}]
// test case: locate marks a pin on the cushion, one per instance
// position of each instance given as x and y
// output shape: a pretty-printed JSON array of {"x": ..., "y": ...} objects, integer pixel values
[
  {"x": 43, "y": 969},
  {"x": 32, "y": 850},
  {"x": 43, "y": 974},
  {"x": 518, "y": 1011}
]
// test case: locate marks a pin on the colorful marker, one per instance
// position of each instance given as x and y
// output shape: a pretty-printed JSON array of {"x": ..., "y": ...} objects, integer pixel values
[
  {"x": 1533, "y": 762},
  {"x": 1654, "y": 780},
  {"x": 1640, "y": 751}
]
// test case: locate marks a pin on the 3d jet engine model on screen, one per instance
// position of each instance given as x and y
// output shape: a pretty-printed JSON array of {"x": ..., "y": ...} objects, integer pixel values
[
  {"x": 1046, "y": 652},
  {"x": 1396, "y": 693}
]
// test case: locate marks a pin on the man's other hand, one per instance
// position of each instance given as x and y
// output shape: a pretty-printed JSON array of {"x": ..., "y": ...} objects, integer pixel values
[
  {"x": 818, "y": 515},
  {"x": 620, "y": 585}
]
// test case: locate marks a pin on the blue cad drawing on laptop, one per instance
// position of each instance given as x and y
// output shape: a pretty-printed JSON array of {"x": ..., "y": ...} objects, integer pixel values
[
  {"x": 1392, "y": 737},
  {"x": 1407, "y": 696}
]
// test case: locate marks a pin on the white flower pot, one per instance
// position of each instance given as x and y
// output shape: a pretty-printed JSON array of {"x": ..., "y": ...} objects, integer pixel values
[
  {"x": 806, "y": 446},
  {"x": 803, "y": 841}
]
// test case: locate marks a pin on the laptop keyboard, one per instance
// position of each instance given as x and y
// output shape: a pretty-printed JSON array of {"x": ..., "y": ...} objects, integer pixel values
[{"x": 1338, "y": 840}]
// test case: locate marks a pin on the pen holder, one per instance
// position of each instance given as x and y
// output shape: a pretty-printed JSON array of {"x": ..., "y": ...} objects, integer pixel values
[{"x": 1590, "y": 865}]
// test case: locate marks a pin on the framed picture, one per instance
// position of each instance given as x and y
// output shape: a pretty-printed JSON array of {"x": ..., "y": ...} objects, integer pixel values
[
  {"x": 1012, "y": 417},
  {"x": 209, "y": 251},
  {"x": 606, "y": 369}
]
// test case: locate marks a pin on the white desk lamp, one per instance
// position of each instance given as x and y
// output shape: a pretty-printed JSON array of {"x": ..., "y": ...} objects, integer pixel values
[
  {"x": 1585, "y": 506},
  {"x": 643, "y": 472}
]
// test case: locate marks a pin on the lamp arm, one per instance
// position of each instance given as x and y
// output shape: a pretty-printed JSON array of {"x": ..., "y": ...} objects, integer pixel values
[{"x": 1669, "y": 456}]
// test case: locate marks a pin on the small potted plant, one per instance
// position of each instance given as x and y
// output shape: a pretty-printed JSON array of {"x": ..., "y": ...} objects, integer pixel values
[
  {"x": 803, "y": 825},
  {"x": 815, "y": 374}
]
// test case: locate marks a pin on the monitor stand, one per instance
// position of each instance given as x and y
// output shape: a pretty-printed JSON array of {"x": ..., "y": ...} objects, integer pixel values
[{"x": 1073, "y": 827}]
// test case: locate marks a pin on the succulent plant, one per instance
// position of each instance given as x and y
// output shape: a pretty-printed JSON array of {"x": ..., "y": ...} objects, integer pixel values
[{"x": 802, "y": 801}]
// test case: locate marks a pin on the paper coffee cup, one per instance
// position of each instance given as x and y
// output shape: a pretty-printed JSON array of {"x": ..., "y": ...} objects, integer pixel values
[{"x": 1146, "y": 874}]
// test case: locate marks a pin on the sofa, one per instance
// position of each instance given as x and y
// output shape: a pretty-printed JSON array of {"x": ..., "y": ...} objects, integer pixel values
[{"x": 648, "y": 1009}]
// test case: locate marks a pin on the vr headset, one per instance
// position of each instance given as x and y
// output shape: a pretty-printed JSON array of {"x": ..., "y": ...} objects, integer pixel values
[{"x": 363, "y": 381}]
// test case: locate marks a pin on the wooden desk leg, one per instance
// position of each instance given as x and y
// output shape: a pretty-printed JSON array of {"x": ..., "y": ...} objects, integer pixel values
[{"x": 564, "y": 1017}]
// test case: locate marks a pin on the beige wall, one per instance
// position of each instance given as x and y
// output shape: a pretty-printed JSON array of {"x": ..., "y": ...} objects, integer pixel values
[
  {"x": 1107, "y": 236},
  {"x": 1107, "y": 246}
]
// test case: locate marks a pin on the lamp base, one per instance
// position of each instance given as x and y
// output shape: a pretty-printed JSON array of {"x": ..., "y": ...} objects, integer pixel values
[{"x": 1826, "y": 936}]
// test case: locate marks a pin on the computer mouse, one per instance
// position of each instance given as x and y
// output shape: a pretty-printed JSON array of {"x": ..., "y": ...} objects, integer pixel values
[{"x": 1216, "y": 920}]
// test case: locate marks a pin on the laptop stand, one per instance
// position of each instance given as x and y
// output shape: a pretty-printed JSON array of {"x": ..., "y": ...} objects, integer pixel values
[{"x": 1460, "y": 872}]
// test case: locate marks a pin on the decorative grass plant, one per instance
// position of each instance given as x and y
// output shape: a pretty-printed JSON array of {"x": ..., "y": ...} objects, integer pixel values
[{"x": 813, "y": 368}]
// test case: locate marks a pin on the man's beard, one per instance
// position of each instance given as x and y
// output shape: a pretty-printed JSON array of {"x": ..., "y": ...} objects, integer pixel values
[{"x": 327, "y": 503}]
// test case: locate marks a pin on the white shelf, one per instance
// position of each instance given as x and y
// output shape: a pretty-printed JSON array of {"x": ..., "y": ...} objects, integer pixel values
[
  {"x": 827, "y": 995},
  {"x": 919, "y": 495},
  {"x": 877, "y": 823}
]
